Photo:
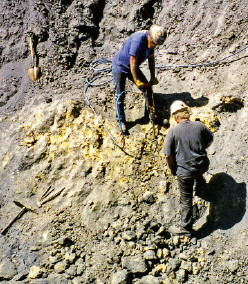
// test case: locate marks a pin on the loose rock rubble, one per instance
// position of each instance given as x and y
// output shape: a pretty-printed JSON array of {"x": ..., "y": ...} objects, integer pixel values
[
  {"x": 110, "y": 225},
  {"x": 107, "y": 220}
]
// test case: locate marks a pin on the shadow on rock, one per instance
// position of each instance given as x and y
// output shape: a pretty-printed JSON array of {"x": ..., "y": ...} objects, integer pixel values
[
  {"x": 142, "y": 120},
  {"x": 162, "y": 104},
  {"x": 184, "y": 96},
  {"x": 227, "y": 203},
  {"x": 163, "y": 101}
]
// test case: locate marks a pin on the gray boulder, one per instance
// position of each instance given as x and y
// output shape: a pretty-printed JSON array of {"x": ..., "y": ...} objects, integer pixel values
[
  {"x": 7, "y": 269},
  {"x": 149, "y": 279},
  {"x": 135, "y": 264},
  {"x": 120, "y": 277}
]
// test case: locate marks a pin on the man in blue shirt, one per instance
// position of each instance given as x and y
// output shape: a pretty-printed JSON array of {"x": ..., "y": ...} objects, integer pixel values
[
  {"x": 135, "y": 50},
  {"x": 185, "y": 149}
]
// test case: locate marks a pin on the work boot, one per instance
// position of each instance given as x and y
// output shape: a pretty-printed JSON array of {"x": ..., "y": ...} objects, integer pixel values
[{"x": 177, "y": 230}]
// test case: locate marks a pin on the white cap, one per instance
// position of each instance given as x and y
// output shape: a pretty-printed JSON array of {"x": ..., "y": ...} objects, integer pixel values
[
  {"x": 178, "y": 106},
  {"x": 158, "y": 34}
]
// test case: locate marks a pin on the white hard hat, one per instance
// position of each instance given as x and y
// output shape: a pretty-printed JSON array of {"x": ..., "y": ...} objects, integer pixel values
[
  {"x": 177, "y": 106},
  {"x": 158, "y": 34}
]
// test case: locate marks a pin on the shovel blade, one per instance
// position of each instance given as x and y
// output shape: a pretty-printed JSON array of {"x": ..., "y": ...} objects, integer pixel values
[{"x": 34, "y": 73}]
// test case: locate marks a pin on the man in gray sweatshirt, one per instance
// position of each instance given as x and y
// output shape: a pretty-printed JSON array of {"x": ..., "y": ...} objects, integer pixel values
[{"x": 186, "y": 157}]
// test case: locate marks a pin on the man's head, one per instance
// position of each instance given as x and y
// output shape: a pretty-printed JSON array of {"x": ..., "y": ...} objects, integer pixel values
[
  {"x": 180, "y": 111},
  {"x": 156, "y": 36}
]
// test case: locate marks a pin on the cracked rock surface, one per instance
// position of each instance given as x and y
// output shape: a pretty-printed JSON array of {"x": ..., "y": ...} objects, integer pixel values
[{"x": 101, "y": 215}]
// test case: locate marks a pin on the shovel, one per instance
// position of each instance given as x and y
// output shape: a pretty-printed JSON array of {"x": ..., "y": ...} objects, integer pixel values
[
  {"x": 34, "y": 72},
  {"x": 24, "y": 208}
]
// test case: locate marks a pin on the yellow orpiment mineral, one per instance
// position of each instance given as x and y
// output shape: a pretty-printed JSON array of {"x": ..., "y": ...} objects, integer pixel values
[{"x": 35, "y": 272}]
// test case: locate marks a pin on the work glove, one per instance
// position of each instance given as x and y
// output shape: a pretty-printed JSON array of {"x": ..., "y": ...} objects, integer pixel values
[
  {"x": 153, "y": 81},
  {"x": 141, "y": 85}
]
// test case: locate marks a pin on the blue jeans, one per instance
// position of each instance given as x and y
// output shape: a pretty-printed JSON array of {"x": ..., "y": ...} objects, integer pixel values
[{"x": 120, "y": 83}]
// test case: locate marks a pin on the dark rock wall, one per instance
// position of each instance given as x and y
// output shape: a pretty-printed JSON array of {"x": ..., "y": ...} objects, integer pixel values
[
  {"x": 70, "y": 34},
  {"x": 64, "y": 33},
  {"x": 111, "y": 218}
]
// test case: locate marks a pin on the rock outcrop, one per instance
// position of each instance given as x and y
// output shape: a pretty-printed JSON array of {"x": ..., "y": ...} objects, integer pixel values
[{"x": 102, "y": 214}]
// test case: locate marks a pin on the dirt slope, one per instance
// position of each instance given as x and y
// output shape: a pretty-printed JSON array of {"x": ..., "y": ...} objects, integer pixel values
[{"x": 108, "y": 223}]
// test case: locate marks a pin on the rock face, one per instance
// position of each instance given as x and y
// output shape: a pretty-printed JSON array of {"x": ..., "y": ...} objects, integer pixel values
[
  {"x": 102, "y": 214},
  {"x": 7, "y": 269}
]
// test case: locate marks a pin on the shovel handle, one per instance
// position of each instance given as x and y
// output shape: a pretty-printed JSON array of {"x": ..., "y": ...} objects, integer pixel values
[
  {"x": 31, "y": 47},
  {"x": 23, "y": 210},
  {"x": 48, "y": 198}
]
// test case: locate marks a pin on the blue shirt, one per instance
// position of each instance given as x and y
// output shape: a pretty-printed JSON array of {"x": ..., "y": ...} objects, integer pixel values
[{"x": 136, "y": 45}]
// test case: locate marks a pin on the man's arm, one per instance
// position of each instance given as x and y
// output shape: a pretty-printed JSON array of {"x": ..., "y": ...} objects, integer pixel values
[
  {"x": 151, "y": 64},
  {"x": 169, "y": 151},
  {"x": 171, "y": 164},
  {"x": 209, "y": 143},
  {"x": 133, "y": 67},
  {"x": 208, "y": 136}
]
